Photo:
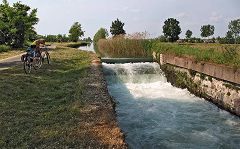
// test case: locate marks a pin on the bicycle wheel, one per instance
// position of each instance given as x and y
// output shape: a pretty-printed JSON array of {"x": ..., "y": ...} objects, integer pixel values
[
  {"x": 27, "y": 65},
  {"x": 48, "y": 58},
  {"x": 37, "y": 63}
]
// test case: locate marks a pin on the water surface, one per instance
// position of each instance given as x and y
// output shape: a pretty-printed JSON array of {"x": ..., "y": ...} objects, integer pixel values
[{"x": 154, "y": 114}]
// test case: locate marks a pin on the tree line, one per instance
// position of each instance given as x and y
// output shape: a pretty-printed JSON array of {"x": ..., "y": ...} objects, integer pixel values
[
  {"x": 17, "y": 27},
  {"x": 172, "y": 30}
]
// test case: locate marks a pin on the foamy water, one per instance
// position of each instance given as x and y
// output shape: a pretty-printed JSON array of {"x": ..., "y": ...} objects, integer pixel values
[{"x": 154, "y": 114}]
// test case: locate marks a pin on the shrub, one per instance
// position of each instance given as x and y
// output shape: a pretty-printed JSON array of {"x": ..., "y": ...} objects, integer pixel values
[{"x": 4, "y": 48}]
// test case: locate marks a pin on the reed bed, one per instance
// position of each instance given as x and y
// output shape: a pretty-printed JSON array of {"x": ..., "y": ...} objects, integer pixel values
[{"x": 124, "y": 48}]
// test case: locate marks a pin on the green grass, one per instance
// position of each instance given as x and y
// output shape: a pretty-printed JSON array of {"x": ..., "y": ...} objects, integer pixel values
[
  {"x": 225, "y": 54},
  {"x": 43, "y": 109},
  {"x": 4, "y": 48},
  {"x": 215, "y": 53}
]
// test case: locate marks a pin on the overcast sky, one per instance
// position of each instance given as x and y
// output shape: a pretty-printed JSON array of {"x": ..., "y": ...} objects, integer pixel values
[{"x": 57, "y": 16}]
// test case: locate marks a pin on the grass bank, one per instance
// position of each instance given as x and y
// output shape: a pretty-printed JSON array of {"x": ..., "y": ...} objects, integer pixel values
[
  {"x": 140, "y": 48},
  {"x": 58, "y": 106},
  {"x": 220, "y": 54}
]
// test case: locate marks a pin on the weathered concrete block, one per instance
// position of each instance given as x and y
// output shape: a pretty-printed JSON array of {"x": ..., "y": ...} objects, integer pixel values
[{"x": 214, "y": 70}]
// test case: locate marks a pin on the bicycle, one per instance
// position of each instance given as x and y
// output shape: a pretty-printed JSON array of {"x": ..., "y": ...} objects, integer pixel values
[
  {"x": 31, "y": 60},
  {"x": 45, "y": 55}
]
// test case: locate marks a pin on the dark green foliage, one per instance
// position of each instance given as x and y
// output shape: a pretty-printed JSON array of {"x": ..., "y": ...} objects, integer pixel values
[
  {"x": 117, "y": 28},
  {"x": 75, "y": 32},
  {"x": 234, "y": 27},
  {"x": 17, "y": 24},
  {"x": 171, "y": 29},
  {"x": 233, "y": 87},
  {"x": 202, "y": 76},
  {"x": 192, "y": 73},
  {"x": 229, "y": 38},
  {"x": 4, "y": 48},
  {"x": 229, "y": 94},
  {"x": 210, "y": 78},
  {"x": 162, "y": 38},
  {"x": 188, "y": 34},
  {"x": 88, "y": 39},
  {"x": 195, "y": 40},
  {"x": 102, "y": 33},
  {"x": 207, "y": 30},
  {"x": 55, "y": 38}
]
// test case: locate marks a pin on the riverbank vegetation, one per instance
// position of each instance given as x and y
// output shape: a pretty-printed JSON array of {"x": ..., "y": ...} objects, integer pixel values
[
  {"x": 62, "y": 105},
  {"x": 119, "y": 47},
  {"x": 216, "y": 53}
]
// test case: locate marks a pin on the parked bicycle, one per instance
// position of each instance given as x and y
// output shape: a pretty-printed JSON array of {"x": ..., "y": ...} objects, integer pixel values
[
  {"x": 45, "y": 54},
  {"x": 34, "y": 59}
]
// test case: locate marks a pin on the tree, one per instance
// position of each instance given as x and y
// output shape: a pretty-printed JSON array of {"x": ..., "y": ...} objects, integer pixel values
[
  {"x": 75, "y": 32},
  {"x": 207, "y": 30},
  {"x": 102, "y": 33},
  {"x": 17, "y": 23},
  {"x": 117, "y": 28},
  {"x": 189, "y": 34},
  {"x": 229, "y": 38},
  {"x": 171, "y": 29},
  {"x": 234, "y": 27}
]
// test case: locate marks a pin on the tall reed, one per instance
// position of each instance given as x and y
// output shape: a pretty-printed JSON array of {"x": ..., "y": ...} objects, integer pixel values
[{"x": 128, "y": 48}]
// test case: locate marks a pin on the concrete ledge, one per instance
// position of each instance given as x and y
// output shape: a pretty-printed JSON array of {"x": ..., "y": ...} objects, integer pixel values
[
  {"x": 125, "y": 60},
  {"x": 215, "y": 70}
]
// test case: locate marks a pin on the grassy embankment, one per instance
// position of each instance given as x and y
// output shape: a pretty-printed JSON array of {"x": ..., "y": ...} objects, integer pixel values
[
  {"x": 216, "y": 53},
  {"x": 54, "y": 106}
]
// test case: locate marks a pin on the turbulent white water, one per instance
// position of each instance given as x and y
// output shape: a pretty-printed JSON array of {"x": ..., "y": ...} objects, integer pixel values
[{"x": 154, "y": 114}]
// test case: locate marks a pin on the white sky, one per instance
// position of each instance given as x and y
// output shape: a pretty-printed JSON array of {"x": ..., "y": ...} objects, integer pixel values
[{"x": 57, "y": 16}]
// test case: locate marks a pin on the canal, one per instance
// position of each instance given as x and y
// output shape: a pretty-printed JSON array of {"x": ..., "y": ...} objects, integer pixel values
[{"x": 154, "y": 114}]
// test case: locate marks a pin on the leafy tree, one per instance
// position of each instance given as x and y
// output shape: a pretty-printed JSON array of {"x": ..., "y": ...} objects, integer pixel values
[
  {"x": 17, "y": 23},
  {"x": 88, "y": 39},
  {"x": 117, "y": 28},
  {"x": 75, "y": 32},
  {"x": 207, "y": 30},
  {"x": 234, "y": 27},
  {"x": 229, "y": 38},
  {"x": 102, "y": 33},
  {"x": 171, "y": 29},
  {"x": 189, "y": 34}
]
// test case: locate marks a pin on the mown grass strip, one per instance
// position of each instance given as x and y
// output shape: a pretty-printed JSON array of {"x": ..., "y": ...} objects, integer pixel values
[{"x": 43, "y": 109}]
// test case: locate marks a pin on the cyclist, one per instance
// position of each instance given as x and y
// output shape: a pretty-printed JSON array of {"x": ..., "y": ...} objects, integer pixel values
[
  {"x": 36, "y": 45},
  {"x": 34, "y": 49}
]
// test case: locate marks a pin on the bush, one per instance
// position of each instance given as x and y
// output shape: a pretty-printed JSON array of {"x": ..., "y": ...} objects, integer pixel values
[{"x": 4, "y": 48}]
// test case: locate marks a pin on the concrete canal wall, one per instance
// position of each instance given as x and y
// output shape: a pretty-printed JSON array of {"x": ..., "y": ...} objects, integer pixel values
[{"x": 217, "y": 83}]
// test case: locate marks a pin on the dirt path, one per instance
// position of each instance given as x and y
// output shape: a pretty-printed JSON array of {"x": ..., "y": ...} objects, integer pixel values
[
  {"x": 9, "y": 62},
  {"x": 15, "y": 60}
]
